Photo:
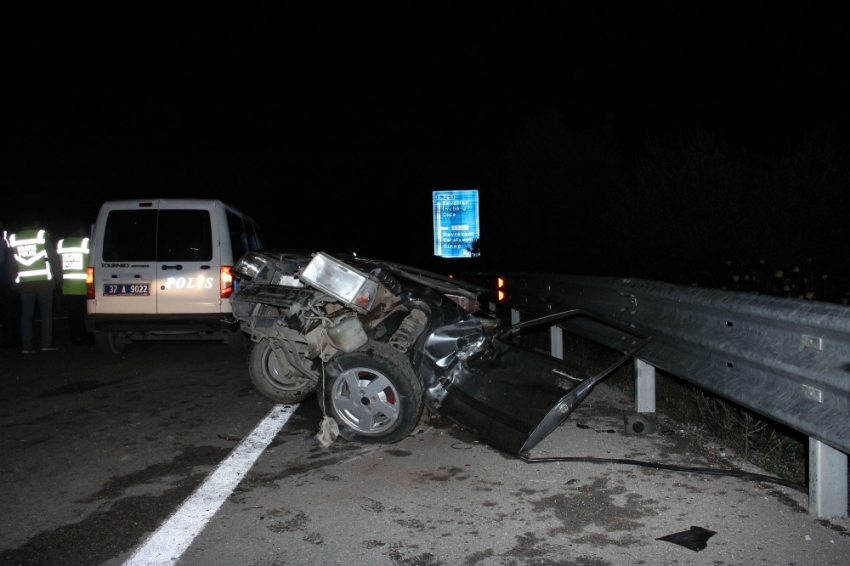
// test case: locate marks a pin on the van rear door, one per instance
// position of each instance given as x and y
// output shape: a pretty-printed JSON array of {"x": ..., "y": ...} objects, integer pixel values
[
  {"x": 125, "y": 269},
  {"x": 188, "y": 258}
]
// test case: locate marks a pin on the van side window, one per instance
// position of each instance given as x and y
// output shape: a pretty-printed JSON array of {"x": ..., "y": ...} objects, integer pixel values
[
  {"x": 253, "y": 236},
  {"x": 238, "y": 242},
  {"x": 130, "y": 235},
  {"x": 184, "y": 235},
  {"x": 261, "y": 240}
]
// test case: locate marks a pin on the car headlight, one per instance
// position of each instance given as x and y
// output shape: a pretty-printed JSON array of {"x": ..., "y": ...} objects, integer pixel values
[
  {"x": 341, "y": 281},
  {"x": 252, "y": 266}
]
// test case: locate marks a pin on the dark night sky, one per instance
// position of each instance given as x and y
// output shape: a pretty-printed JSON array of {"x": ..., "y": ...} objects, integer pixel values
[{"x": 308, "y": 118}]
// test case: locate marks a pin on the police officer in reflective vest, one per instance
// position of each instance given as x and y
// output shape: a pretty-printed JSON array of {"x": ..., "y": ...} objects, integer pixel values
[
  {"x": 35, "y": 273},
  {"x": 75, "y": 258}
]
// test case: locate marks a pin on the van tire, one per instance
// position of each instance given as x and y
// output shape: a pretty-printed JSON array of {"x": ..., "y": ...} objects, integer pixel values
[
  {"x": 110, "y": 342},
  {"x": 237, "y": 341},
  {"x": 272, "y": 383}
]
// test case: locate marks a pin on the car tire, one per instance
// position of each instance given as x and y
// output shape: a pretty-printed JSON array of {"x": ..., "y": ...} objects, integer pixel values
[
  {"x": 274, "y": 383},
  {"x": 373, "y": 394},
  {"x": 110, "y": 342}
]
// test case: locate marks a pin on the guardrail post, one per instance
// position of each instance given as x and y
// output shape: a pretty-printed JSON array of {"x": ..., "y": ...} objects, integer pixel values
[
  {"x": 515, "y": 320},
  {"x": 556, "y": 342},
  {"x": 827, "y": 480},
  {"x": 644, "y": 387}
]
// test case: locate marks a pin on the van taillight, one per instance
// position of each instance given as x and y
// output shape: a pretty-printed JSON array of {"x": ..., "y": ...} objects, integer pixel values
[
  {"x": 226, "y": 281},
  {"x": 90, "y": 283}
]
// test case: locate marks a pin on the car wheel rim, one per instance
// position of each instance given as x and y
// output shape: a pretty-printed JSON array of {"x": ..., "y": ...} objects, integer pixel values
[
  {"x": 278, "y": 377},
  {"x": 366, "y": 401}
]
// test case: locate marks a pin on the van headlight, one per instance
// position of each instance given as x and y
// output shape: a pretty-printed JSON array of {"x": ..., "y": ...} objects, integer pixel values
[{"x": 344, "y": 283}]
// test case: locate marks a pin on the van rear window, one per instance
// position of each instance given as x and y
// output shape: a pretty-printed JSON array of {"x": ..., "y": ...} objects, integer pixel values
[
  {"x": 184, "y": 235},
  {"x": 130, "y": 235}
]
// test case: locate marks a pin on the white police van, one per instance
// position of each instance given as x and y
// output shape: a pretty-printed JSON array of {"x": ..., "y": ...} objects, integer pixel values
[{"x": 160, "y": 269}]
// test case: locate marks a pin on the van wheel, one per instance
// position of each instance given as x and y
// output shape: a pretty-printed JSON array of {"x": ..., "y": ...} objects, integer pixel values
[
  {"x": 373, "y": 394},
  {"x": 110, "y": 342},
  {"x": 279, "y": 383}
]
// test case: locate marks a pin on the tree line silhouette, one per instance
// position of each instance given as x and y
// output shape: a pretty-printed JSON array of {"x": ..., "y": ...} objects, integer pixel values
[{"x": 688, "y": 209}]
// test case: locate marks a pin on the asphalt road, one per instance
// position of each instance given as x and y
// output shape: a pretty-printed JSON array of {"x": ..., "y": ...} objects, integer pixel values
[{"x": 97, "y": 451}]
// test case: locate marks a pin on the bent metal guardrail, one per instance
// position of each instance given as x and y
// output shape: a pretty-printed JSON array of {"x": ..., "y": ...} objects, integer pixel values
[{"x": 786, "y": 359}]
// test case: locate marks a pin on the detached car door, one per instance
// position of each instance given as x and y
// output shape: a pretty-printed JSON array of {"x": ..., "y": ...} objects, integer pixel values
[{"x": 188, "y": 260}]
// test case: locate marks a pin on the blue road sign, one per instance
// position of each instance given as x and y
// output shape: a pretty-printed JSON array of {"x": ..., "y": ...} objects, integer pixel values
[{"x": 456, "y": 222}]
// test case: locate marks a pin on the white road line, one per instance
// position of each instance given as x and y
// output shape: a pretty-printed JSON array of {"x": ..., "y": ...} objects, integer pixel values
[{"x": 173, "y": 537}]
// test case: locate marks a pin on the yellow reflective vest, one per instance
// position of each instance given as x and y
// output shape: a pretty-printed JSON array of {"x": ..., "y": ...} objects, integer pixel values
[{"x": 75, "y": 260}]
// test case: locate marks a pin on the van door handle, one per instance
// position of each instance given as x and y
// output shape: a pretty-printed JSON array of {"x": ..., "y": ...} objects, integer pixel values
[
  {"x": 205, "y": 267},
  {"x": 178, "y": 267}
]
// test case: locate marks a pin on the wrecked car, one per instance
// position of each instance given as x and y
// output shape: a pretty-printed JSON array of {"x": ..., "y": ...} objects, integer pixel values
[{"x": 376, "y": 341}]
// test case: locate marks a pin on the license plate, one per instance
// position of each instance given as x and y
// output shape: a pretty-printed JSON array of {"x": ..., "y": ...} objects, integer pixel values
[{"x": 126, "y": 290}]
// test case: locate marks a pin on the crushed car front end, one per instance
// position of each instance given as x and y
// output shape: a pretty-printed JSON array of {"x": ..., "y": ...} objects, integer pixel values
[{"x": 377, "y": 340}]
